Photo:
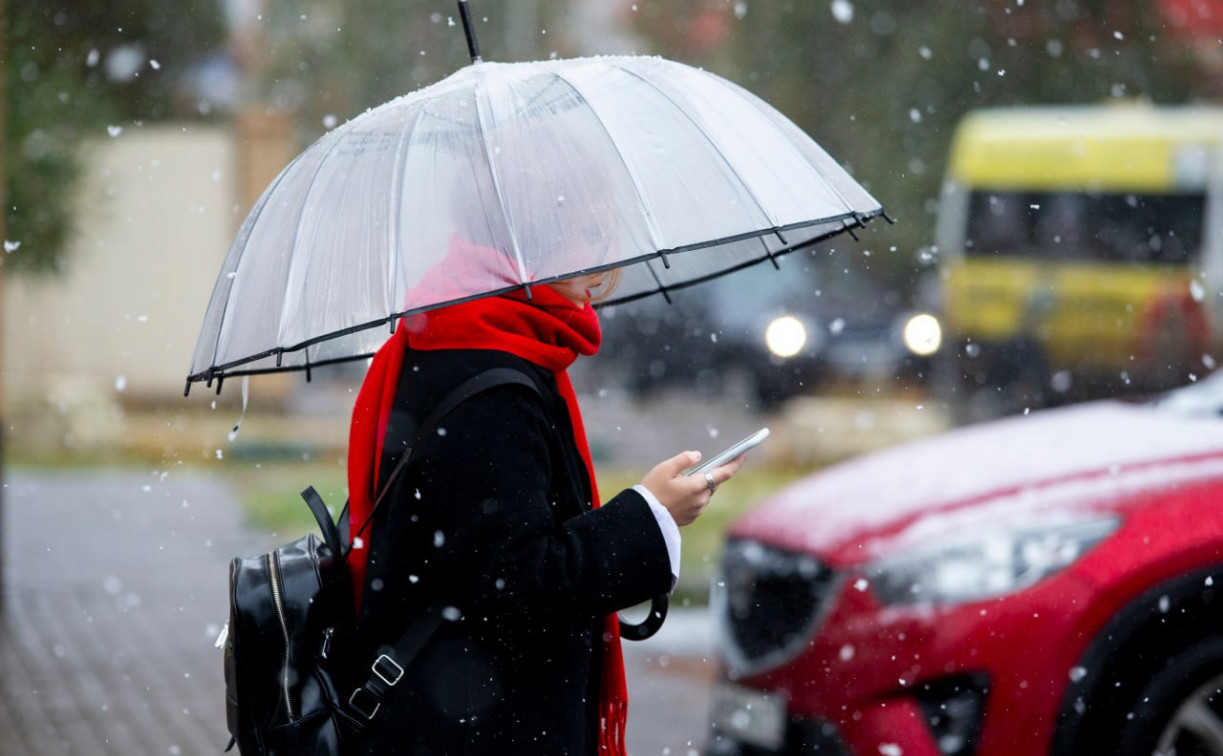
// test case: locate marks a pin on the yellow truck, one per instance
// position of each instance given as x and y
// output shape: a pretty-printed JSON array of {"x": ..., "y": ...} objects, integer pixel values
[{"x": 1081, "y": 254}]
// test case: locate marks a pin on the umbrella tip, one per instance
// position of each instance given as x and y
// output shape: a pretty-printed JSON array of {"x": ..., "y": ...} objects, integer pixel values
[{"x": 473, "y": 47}]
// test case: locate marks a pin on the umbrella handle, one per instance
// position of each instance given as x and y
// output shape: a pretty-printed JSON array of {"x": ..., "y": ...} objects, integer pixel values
[{"x": 651, "y": 624}]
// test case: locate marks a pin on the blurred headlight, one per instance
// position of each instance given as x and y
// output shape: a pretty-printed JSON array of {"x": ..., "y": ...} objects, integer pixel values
[
  {"x": 991, "y": 564},
  {"x": 785, "y": 336},
  {"x": 923, "y": 334}
]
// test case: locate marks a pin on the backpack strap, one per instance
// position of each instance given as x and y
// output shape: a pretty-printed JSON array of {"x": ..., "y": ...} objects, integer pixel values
[
  {"x": 388, "y": 668},
  {"x": 331, "y": 532}
]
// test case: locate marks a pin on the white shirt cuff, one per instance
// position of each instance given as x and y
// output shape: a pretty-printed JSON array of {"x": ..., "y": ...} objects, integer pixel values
[{"x": 670, "y": 531}]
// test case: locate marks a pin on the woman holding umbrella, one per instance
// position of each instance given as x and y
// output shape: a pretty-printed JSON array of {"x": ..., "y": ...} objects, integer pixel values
[
  {"x": 566, "y": 168},
  {"x": 497, "y": 517}
]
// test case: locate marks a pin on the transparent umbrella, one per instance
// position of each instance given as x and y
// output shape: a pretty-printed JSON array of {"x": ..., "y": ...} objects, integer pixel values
[{"x": 536, "y": 171}]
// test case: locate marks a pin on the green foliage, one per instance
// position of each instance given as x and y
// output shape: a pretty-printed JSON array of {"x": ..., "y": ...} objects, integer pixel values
[
  {"x": 881, "y": 84},
  {"x": 72, "y": 69},
  {"x": 272, "y": 504},
  {"x": 703, "y": 539},
  {"x": 271, "y": 493},
  {"x": 332, "y": 59}
]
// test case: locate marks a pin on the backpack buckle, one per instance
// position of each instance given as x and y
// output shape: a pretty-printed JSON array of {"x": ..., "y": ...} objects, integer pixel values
[
  {"x": 394, "y": 672},
  {"x": 361, "y": 706}
]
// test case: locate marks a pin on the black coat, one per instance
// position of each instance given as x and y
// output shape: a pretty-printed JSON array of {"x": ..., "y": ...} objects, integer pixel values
[{"x": 493, "y": 517}]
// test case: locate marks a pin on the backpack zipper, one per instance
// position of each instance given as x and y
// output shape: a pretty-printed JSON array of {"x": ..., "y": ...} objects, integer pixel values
[{"x": 278, "y": 602}]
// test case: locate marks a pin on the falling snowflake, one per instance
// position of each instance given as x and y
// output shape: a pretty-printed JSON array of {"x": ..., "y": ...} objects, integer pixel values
[{"x": 843, "y": 11}]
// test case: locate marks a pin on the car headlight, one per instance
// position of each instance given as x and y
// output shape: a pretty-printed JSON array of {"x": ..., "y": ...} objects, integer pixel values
[
  {"x": 923, "y": 334},
  {"x": 989, "y": 564},
  {"x": 785, "y": 336}
]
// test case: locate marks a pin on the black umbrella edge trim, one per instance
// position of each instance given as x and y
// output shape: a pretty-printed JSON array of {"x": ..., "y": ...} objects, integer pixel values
[
  {"x": 858, "y": 220},
  {"x": 851, "y": 220}
]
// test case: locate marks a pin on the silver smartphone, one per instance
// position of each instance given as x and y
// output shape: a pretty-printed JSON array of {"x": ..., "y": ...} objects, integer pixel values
[{"x": 730, "y": 453}]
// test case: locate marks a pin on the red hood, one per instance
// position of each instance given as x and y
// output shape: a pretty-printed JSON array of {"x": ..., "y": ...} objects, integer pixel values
[{"x": 1050, "y": 464}]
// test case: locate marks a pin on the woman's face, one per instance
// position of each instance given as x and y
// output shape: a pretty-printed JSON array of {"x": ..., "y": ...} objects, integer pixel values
[{"x": 582, "y": 289}]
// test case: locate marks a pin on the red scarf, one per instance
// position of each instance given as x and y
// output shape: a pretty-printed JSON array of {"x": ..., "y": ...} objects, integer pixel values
[{"x": 547, "y": 330}]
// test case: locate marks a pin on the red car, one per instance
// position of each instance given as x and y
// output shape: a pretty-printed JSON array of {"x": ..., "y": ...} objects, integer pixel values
[{"x": 1034, "y": 585}]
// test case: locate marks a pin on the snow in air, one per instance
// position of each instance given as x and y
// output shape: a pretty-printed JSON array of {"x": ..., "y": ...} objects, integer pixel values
[{"x": 843, "y": 11}]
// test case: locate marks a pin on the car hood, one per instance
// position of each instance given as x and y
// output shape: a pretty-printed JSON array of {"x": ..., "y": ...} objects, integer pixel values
[{"x": 1053, "y": 463}]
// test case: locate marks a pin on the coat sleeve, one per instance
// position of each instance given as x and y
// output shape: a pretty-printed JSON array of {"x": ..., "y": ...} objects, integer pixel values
[{"x": 495, "y": 540}]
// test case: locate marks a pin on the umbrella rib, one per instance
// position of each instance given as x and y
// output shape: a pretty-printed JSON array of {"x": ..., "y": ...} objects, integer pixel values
[
  {"x": 396, "y": 200},
  {"x": 655, "y": 233},
  {"x": 478, "y": 97},
  {"x": 662, "y": 288},
  {"x": 754, "y": 102},
  {"x": 256, "y": 214},
  {"x": 701, "y": 130},
  {"x": 301, "y": 217}
]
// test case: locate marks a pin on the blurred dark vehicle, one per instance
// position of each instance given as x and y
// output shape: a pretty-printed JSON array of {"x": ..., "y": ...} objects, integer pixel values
[
  {"x": 1047, "y": 584},
  {"x": 786, "y": 330}
]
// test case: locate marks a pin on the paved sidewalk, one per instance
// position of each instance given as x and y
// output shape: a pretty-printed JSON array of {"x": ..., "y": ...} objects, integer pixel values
[
  {"x": 115, "y": 590},
  {"x": 669, "y": 680},
  {"x": 116, "y": 586}
]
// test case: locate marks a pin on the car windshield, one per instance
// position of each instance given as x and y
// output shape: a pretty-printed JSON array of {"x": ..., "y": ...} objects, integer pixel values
[{"x": 1087, "y": 226}]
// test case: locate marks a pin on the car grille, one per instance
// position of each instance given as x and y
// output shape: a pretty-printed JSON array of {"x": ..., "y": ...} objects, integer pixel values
[{"x": 767, "y": 602}]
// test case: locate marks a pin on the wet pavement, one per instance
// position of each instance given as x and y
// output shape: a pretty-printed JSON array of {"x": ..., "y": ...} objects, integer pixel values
[
  {"x": 669, "y": 679},
  {"x": 115, "y": 590}
]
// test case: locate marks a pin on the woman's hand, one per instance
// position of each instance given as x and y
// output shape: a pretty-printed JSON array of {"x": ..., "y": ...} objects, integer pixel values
[{"x": 684, "y": 496}]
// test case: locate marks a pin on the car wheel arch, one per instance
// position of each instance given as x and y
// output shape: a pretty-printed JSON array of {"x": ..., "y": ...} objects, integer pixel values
[{"x": 1147, "y": 633}]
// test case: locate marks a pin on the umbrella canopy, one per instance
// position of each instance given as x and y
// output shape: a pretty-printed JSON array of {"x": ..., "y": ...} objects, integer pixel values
[{"x": 506, "y": 175}]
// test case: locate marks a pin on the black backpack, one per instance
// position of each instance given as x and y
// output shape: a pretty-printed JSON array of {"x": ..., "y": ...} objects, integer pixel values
[{"x": 292, "y": 684}]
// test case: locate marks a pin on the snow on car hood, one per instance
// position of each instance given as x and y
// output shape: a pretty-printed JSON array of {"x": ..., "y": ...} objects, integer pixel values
[{"x": 1047, "y": 463}]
